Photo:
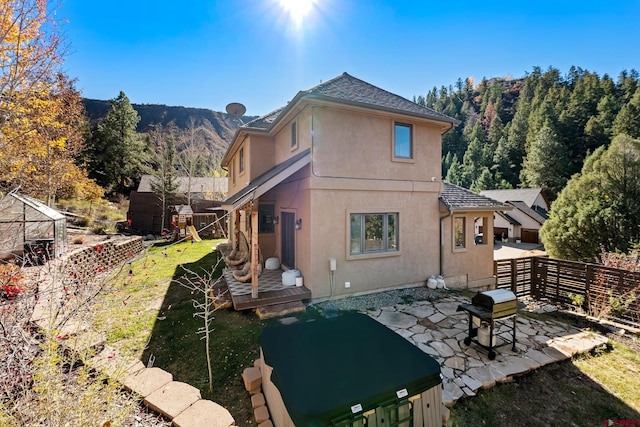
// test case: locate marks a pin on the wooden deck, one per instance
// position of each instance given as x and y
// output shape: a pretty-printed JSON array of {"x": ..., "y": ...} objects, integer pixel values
[{"x": 270, "y": 291}]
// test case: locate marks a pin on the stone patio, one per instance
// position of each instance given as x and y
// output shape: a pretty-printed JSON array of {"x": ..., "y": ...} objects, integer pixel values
[{"x": 438, "y": 329}]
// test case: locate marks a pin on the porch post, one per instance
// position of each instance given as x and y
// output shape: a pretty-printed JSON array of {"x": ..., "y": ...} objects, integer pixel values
[
  {"x": 236, "y": 229},
  {"x": 254, "y": 253}
]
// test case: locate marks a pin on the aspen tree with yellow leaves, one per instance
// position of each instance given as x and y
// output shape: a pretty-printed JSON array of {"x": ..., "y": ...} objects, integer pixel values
[{"x": 41, "y": 114}]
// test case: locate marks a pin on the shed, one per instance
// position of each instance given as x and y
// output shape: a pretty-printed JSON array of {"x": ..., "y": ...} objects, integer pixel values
[
  {"x": 30, "y": 228},
  {"x": 347, "y": 370}
]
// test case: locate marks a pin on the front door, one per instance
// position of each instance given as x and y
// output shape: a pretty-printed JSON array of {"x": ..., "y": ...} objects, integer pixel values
[{"x": 288, "y": 241}]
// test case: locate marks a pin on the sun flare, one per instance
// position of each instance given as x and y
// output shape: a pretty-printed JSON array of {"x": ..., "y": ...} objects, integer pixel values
[{"x": 297, "y": 9}]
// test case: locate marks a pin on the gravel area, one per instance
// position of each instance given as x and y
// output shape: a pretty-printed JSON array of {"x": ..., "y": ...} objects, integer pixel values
[{"x": 380, "y": 299}]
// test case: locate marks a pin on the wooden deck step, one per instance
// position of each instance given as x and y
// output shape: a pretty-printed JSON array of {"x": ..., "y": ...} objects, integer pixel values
[
  {"x": 294, "y": 293},
  {"x": 280, "y": 310}
]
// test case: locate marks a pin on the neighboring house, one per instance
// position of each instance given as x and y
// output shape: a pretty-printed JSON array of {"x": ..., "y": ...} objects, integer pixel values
[
  {"x": 206, "y": 188},
  {"x": 343, "y": 184},
  {"x": 530, "y": 211},
  {"x": 145, "y": 207}
]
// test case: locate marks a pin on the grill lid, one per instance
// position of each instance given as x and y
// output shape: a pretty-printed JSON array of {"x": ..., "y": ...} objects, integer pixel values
[{"x": 499, "y": 295}]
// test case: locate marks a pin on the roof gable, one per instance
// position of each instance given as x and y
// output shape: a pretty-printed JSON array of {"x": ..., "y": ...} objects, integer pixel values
[
  {"x": 346, "y": 89},
  {"x": 522, "y": 206},
  {"x": 526, "y": 195}
]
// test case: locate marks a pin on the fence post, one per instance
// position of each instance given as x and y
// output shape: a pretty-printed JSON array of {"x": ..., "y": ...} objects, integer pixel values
[
  {"x": 587, "y": 287},
  {"x": 533, "y": 276},
  {"x": 514, "y": 275}
]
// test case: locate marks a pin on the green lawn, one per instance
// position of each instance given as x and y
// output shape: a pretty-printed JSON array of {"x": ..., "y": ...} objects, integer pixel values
[{"x": 149, "y": 315}]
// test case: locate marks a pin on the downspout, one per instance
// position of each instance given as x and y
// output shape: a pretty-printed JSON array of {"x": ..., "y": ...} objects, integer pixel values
[{"x": 442, "y": 218}]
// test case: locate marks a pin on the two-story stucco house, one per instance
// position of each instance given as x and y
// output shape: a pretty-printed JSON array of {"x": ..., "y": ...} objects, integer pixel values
[{"x": 343, "y": 184}]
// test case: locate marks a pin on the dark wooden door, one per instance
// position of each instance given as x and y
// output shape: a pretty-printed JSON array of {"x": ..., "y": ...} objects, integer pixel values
[{"x": 288, "y": 239}]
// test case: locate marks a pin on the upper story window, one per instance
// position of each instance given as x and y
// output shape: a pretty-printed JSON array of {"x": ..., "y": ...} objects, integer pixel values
[
  {"x": 241, "y": 160},
  {"x": 294, "y": 135},
  {"x": 402, "y": 141},
  {"x": 232, "y": 171}
]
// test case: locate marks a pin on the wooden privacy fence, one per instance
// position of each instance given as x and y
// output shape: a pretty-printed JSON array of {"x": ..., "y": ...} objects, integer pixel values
[{"x": 600, "y": 291}]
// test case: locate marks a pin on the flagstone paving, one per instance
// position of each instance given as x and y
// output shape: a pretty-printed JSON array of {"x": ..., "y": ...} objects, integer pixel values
[{"x": 438, "y": 329}]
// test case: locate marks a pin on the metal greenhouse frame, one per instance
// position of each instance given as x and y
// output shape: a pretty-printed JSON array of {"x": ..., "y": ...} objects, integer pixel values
[{"x": 31, "y": 229}]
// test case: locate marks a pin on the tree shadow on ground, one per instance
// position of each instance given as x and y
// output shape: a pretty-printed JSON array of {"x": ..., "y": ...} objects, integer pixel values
[
  {"x": 176, "y": 347},
  {"x": 557, "y": 394}
]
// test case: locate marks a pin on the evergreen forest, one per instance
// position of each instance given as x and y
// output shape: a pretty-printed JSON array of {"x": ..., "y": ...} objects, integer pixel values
[{"x": 534, "y": 131}]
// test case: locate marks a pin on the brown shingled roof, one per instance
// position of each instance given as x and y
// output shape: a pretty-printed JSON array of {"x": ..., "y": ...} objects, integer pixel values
[
  {"x": 350, "y": 90},
  {"x": 458, "y": 198}
]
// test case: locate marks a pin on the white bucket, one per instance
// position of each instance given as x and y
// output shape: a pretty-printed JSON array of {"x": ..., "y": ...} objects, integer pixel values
[
  {"x": 483, "y": 336},
  {"x": 272, "y": 264},
  {"x": 299, "y": 281},
  {"x": 289, "y": 277},
  {"x": 432, "y": 283}
]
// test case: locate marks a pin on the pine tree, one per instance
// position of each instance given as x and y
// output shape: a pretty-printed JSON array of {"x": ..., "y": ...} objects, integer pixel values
[
  {"x": 117, "y": 151},
  {"x": 628, "y": 119},
  {"x": 455, "y": 172},
  {"x": 546, "y": 163}
]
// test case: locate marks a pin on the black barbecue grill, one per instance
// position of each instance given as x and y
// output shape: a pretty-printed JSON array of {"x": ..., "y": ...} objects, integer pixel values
[{"x": 489, "y": 307}]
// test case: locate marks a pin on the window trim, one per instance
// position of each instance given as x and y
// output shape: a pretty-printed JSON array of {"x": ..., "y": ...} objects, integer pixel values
[
  {"x": 395, "y": 157},
  {"x": 241, "y": 161},
  {"x": 455, "y": 247},
  {"x": 294, "y": 135},
  {"x": 373, "y": 254},
  {"x": 232, "y": 171}
]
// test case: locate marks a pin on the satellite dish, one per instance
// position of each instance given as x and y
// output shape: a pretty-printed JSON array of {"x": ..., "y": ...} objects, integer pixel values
[{"x": 236, "y": 109}]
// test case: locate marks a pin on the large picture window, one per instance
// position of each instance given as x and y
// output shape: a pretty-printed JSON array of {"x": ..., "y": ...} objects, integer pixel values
[
  {"x": 402, "y": 141},
  {"x": 373, "y": 233}
]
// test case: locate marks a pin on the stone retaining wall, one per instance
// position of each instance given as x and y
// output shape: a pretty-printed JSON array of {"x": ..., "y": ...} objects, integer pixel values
[{"x": 103, "y": 256}]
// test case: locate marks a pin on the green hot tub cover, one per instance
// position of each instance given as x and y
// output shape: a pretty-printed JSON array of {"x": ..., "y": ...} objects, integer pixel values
[{"x": 323, "y": 368}]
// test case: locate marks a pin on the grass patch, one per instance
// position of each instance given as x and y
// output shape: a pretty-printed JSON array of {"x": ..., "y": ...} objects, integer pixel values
[
  {"x": 150, "y": 316},
  {"x": 585, "y": 391}
]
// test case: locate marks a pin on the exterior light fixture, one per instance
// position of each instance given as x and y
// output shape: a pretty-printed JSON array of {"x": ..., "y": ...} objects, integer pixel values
[
  {"x": 276, "y": 219},
  {"x": 299, "y": 224}
]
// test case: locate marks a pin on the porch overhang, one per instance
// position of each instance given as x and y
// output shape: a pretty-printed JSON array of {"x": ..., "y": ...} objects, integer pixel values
[{"x": 267, "y": 181}]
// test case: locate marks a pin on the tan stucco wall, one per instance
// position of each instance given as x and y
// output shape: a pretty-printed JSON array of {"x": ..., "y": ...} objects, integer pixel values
[
  {"x": 291, "y": 196},
  {"x": 259, "y": 157},
  {"x": 471, "y": 267},
  {"x": 416, "y": 260},
  {"x": 283, "y": 149},
  {"x": 353, "y": 144}
]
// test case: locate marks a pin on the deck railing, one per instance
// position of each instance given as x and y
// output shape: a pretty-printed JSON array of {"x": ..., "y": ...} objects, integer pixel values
[{"x": 600, "y": 291}]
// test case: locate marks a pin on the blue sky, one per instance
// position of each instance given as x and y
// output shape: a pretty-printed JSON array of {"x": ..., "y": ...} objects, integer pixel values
[{"x": 207, "y": 53}]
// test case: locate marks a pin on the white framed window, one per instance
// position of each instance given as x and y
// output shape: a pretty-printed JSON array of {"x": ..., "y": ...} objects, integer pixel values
[
  {"x": 459, "y": 232},
  {"x": 373, "y": 233},
  {"x": 402, "y": 141},
  {"x": 241, "y": 161}
]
